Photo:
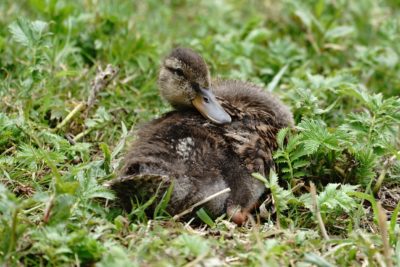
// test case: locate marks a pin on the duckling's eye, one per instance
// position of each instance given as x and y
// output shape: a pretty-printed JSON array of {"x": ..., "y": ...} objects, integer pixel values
[
  {"x": 179, "y": 72},
  {"x": 206, "y": 99}
]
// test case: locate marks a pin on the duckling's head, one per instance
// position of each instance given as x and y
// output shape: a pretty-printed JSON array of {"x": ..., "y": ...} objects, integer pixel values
[{"x": 184, "y": 81}]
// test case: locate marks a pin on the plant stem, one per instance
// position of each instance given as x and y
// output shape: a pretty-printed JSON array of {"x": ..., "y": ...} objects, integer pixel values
[
  {"x": 13, "y": 238},
  {"x": 313, "y": 192},
  {"x": 190, "y": 209},
  {"x": 70, "y": 116},
  {"x": 387, "y": 250},
  {"x": 386, "y": 166}
]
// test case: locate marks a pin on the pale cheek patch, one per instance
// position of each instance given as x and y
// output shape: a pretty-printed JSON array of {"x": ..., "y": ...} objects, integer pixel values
[{"x": 172, "y": 63}]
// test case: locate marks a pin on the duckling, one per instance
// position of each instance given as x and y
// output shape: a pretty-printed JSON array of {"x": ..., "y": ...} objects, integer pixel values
[{"x": 220, "y": 132}]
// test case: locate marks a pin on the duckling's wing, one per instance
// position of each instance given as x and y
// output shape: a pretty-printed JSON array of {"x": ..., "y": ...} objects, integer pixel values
[{"x": 257, "y": 117}]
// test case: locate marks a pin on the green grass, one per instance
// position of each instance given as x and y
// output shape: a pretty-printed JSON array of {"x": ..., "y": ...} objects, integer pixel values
[{"x": 334, "y": 62}]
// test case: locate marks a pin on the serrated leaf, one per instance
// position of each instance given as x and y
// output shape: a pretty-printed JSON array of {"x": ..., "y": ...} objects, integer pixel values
[
  {"x": 260, "y": 177},
  {"x": 89, "y": 188},
  {"x": 300, "y": 163},
  {"x": 273, "y": 178},
  {"x": 369, "y": 198},
  {"x": 277, "y": 160},
  {"x": 293, "y": 142},
  {"x": 21, "y": 33},
  {"x": 332, "y": 143},
  {"x": 39, "y": 26},
  {"x": 27, "y": 33},
  {"x": 298, "y": 154},
  {"x": 311, "y": 146},
  {"x": 280, "y": 137},
  {"x": 299, "y": 174}
]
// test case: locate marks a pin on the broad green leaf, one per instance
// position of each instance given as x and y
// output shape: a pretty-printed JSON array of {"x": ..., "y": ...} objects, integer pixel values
[
  {"x": 162, "y": 205},
  {"x": 202, "y": 214},
  {"x": 107, "y": 157},
  {"x": 338, "y": 32},
  {"x": 393, "y": 222},
  {"x": 272, "y": 85}
]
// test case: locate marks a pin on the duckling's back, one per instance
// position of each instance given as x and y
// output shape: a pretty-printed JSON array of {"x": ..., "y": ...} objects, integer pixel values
[
  {"x": 249, "y": 99},
  {"x": 257, "y": 116}
]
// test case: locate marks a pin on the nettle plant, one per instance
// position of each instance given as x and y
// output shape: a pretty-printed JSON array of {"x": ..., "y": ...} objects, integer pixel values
[
  {"x": 58, "y": 185},
  {"x": 345, "y": 149},
  {"x": 353, "y": 148}
]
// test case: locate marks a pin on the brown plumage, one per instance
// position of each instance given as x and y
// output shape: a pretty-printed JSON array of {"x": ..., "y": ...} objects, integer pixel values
[{"x": 204, "y": 152}]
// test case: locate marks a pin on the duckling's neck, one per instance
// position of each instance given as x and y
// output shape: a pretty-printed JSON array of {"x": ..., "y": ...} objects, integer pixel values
[{"x": 178, "y": 106}]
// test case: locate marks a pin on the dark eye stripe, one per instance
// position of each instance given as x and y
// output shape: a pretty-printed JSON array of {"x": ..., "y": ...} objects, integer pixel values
[
  {"x": 177, "y": 71},
  {"x": 196, "y": 87}
]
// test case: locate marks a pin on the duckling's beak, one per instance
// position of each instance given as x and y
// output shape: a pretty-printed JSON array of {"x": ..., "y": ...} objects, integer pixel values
[{"x": 207, "y": 104}]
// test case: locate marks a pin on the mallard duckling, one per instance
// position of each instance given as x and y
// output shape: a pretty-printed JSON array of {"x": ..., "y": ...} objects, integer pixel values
[{"x": 218, "y": 135}]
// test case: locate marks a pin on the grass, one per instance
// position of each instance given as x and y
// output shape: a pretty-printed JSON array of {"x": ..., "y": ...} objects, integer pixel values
[{"x": 336, "y": 63}]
